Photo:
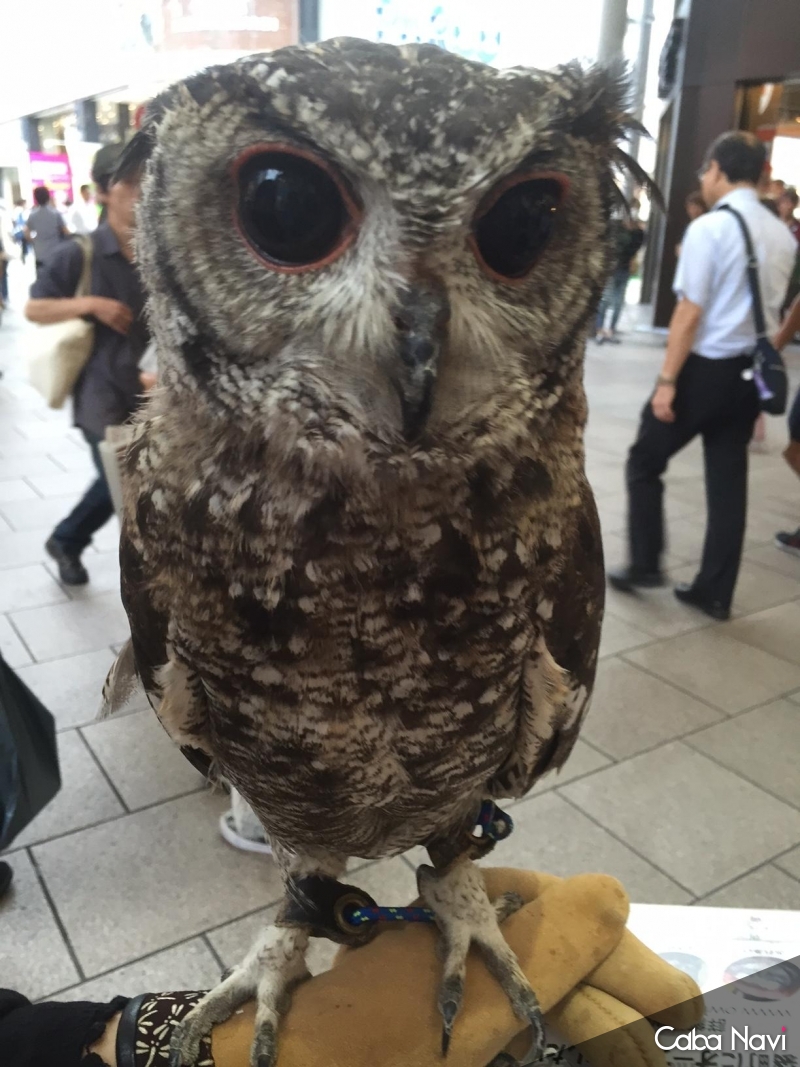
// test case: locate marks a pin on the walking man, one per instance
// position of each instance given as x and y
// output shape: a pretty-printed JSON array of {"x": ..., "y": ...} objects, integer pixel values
[
  {"x": 705, "y": 386},
  {"x": 108, "y": 390},
  {"x": 44, "y": 228}
]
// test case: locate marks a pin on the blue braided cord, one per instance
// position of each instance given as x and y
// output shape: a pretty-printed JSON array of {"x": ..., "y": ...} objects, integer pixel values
[
  {"x": 490, "y": 814},
  {"x": 360, "y": 916}
]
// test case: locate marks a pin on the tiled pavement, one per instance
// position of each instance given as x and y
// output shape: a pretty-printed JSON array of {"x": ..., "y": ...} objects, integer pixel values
[{"x": 685, "y": 783}]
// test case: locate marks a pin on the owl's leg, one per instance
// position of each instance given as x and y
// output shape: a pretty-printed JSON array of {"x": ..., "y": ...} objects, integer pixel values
[
  {"x": 465, "y": 916},
  {"x": 271, "y": 969},
  {"x": 275, "y": 964}
]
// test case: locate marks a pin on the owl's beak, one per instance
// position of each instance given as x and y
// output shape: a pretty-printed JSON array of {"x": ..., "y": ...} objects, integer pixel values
[{"x": 421, "y": 322}]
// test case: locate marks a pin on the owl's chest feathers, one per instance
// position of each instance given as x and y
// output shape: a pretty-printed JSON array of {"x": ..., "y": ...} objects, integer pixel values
[{"x": 445, "y": 557}]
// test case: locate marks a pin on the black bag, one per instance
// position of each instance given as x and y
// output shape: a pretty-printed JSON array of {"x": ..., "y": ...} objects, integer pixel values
[
  {"x": 29, "y": 775},
  {"x": 769, "y": 370}
]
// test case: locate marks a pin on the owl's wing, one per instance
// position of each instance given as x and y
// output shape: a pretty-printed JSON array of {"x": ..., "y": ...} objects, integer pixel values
[
  {"x": 558, "y": 677},
  {"x": 173, "y": 690}
]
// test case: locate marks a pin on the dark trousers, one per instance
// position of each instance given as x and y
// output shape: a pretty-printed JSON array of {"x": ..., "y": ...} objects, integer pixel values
[
  {"x": 711, "y": 399},
  {"x": 614, "y": 298},
  {"x": 91, "y": 512}
]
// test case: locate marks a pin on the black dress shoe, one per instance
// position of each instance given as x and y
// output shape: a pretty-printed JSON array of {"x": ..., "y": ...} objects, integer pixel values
[
  {"x": 6, "y": 875},
  {"x": 687, "y": 594},
  {"x": 626, "y": 579},
  {"x": 70, "y": 569}
]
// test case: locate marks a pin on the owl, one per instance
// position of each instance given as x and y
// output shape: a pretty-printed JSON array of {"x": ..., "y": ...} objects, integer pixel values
[{"x": 360, "y": 557}]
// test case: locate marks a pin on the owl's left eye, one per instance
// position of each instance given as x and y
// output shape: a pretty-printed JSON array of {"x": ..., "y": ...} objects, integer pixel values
[
  {"x": 516, "y": 222},
  {"x": 292, "y": 209}
]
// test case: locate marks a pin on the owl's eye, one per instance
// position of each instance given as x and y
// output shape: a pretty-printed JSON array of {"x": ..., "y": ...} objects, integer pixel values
[
  {"x": 513, "y": 227},
  {"x": 292, "y": 210}
]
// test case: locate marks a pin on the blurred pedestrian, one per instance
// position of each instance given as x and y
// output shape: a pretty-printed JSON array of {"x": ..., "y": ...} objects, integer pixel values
[
  {"x": 103, "y": 167},
  {"x": 789, "y": 540},
  {"x": 108, "y": 390},
  {"x": 19, "y": 227},
  {"x": 627, "y": 236},
  {"x": 706, "y": 383},
  {"x": 695, "y": 207},
  {"x": 44, "y": 227},
  {"x": 82, "y": 217},
  {"x": 787, "y": 205},
  {"x": 9, "y": 250}
]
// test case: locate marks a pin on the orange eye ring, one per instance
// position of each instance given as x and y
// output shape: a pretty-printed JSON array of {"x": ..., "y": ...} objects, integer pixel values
[
  {"x": 351, "y": 212},
  {"x": 490, "y": 202}
]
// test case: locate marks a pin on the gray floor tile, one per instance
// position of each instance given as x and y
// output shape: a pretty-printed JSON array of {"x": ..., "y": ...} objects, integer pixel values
[
  {"x": 141, "y": 760},
  {"x": 550, "y": 835},
  {"x": 85, "y": 797},
  {"x": 157, "y": 877},
  {"x": 790, "y": 862},
  {"x": 107, "y": 539},
  {"x": 33, "y": 957},
  {"x": 655, "y": 612},
  {"x": 678, "y": 809},
  {"x": 29, "y": 587},
  {"x": 768, "y": 887},
  {"x": 36, "y": 429},
  {"x": 685, "y": 538},
  {"x": 762, "y": 523},
  {"x": 632, "y": 711},
  {"x": 389, "y": 882},
  {"x": 774, "y": 558},
  {"x": 12, "y": 649},
  {"x": 34, "y": 514},
  {"x": 775, "y": 630},
  {"x": 619, "y": 636},
  {"x": 65, "y": 483},
  {"x": 78, "y": 626},
  {"x": 189, "y": 965},
  {"x": 71, "y": 457},
  {"x": 582, "y": 760},
  {"x": 18, "y": 549},
  {"x": 14, "y": 489},
  {"x": 70, "y": 688},
  {"x": 761, "y": 745},
  {"x": 726, "y": 673},
  {"x": 25, "y": 465},
  {"x": 613, "y": 514}
]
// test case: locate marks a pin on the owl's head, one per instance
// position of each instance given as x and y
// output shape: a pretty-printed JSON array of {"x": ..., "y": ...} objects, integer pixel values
[{"x": 392, "y": 242}]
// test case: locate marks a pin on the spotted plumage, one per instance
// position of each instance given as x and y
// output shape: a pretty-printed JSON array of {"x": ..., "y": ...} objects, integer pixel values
[{"x": 366, "y": 589}]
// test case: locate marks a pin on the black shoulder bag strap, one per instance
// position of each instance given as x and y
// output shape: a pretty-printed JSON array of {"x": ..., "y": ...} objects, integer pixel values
[{"x": 769, "y": 371}]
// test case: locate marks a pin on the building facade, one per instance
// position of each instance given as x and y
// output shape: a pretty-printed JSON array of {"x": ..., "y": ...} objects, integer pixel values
[{"x": 728, "y": 64}]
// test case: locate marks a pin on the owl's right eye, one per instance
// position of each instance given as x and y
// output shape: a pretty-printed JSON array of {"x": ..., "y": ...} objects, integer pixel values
[
  {"x": 515, "y": 223},
  {"x": 292, "y": 210}
]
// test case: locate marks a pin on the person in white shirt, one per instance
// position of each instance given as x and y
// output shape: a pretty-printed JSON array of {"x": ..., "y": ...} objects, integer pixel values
[
  {"x": 706, "y": 383},
  {"x": 82, "y": 216}
]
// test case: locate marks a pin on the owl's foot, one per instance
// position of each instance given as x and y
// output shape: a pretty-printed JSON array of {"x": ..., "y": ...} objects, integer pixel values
[
  {"x": 272, "y": 968},
  {"x": 466, "y": 916}
]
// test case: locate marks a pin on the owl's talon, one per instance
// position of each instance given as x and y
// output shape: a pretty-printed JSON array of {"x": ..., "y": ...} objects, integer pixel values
[
  {"x": 466, "y": 916},
  {"x": 506, "y": 905},
  {"x": 450, "y": 997},
  {"x": 265, "y": 1045}
]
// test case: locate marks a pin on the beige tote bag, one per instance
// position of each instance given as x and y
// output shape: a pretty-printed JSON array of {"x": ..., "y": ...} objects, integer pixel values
[{"x": 61, "y": 350}]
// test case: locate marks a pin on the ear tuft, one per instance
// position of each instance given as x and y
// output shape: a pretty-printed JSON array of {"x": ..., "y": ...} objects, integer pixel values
[{"x": 600, "y": 114}]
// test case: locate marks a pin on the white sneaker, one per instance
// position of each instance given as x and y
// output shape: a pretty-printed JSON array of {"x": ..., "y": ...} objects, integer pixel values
[{"x": 227, "y": 827}]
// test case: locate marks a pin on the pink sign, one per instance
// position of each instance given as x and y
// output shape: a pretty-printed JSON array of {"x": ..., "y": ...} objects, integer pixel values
[{"x": 54, "y": 172}]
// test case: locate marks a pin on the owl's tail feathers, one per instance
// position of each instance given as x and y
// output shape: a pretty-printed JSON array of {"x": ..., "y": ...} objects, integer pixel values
[{"x": 121, "y": 684}]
